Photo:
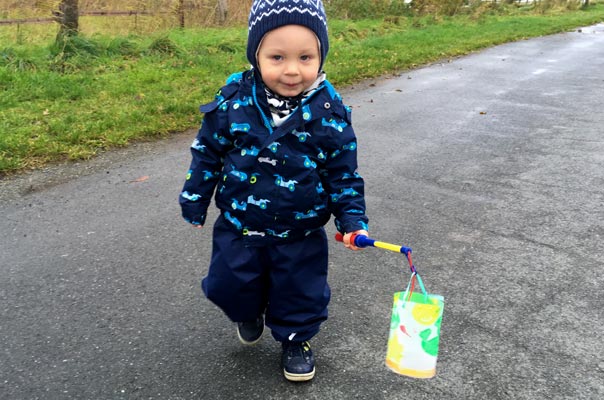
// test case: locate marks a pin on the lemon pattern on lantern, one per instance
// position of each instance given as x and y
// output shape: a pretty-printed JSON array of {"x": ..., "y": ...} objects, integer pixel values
[{"x": 426, "y": 314}]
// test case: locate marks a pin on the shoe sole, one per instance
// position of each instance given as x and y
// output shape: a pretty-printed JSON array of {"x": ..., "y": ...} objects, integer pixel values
[
  {"x": 247, "y": 343},
  {"x": 299, "y": 377}
]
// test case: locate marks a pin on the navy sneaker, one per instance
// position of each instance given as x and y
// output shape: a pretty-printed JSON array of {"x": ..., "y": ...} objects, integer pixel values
[
  {"x": 297, "y": 361},
  {"x": 250, "y": 332}
]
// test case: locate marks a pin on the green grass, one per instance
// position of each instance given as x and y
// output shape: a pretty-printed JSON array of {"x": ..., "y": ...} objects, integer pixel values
[{"x": 68, "y": 101}]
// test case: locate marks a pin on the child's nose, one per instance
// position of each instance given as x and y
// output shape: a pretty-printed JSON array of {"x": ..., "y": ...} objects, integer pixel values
[{"x": 291, "y": 68}]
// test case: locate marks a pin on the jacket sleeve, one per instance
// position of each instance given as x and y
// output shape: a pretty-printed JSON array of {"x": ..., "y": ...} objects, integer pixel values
[
  {"x": 207, "y": 151},
  {"x": 344, "y": 185}
]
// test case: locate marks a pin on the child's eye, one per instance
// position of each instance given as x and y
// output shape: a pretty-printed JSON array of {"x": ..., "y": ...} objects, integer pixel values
[
  {"x": 277, "y": 58},
  {"x": 305, "y": 58}
]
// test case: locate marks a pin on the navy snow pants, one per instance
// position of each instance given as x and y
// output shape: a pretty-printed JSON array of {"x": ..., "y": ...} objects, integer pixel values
[{"x": 286, "y": 281}]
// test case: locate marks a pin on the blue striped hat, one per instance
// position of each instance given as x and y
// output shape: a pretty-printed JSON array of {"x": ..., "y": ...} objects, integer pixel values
[{"x": 267, "y": 15}]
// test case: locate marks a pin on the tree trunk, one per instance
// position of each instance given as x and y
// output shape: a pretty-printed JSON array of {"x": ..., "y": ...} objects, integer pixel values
[
  {"x": 67, "y": 17},
  {"x": 223, "y": 9}
]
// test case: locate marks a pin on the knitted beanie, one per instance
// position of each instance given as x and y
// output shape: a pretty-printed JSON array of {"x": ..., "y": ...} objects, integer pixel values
[{"x": 267, "y": 15}]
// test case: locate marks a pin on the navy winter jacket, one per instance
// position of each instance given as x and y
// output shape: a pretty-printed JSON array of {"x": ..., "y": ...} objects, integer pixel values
[{"x": 275, "y": 182}]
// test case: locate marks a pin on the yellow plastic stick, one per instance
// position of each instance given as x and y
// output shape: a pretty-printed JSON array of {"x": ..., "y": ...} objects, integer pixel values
[{"x": 388, "y": 246}]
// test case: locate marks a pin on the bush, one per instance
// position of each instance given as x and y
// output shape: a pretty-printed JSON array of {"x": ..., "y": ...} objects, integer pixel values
[
  {"x": 360, "y": 9},
  {"x": 553, "y": 5},
  {"x": 164, "y": 46},
  {"x": 123, "y": 47},
  {"x": 444, "y": 7},
  {"x": 72, "y": 53},
  {"x": 70, "y": 46},
  {"x": 11, "y": 60}
]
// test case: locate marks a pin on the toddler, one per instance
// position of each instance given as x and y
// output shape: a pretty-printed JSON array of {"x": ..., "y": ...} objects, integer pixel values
[{"x": 277, "y": 150}]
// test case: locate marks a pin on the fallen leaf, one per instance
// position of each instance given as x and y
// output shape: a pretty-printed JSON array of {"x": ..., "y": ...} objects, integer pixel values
[{"x": 141, "y": 179}]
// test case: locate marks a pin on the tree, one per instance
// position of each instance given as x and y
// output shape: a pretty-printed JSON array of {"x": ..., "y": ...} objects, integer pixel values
[{"x": 67, "y": 17}]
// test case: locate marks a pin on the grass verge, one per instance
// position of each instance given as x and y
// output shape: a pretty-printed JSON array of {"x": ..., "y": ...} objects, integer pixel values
[{"x": 67, "y": 101}]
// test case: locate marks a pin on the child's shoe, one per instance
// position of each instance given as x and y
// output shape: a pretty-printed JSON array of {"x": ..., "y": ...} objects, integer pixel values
[
  {"x": 297, "y": 361},
  {"x": 250, "y": 332}
]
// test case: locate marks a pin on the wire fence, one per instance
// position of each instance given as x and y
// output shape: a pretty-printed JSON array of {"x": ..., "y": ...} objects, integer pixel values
[
  {"x": 37, "y": 20},
  {"x": 144, "y": 16},
  {"x": 184, "y": 13}
]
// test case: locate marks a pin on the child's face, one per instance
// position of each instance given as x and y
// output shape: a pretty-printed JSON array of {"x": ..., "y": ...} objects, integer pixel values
[{"x": 289, "y": 59}]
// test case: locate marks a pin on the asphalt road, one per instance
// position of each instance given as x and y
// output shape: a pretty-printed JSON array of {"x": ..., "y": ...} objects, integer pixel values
[{"x": 491, "y": 167}]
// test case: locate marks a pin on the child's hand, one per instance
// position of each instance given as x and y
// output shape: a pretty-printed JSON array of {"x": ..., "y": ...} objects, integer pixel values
[{"x": 350, "y": 245}]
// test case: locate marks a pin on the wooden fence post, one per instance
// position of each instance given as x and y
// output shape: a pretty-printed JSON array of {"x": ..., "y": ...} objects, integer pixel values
[
  {"x": 181, "y": 13},
  {"x": 223, "y": 10}
]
